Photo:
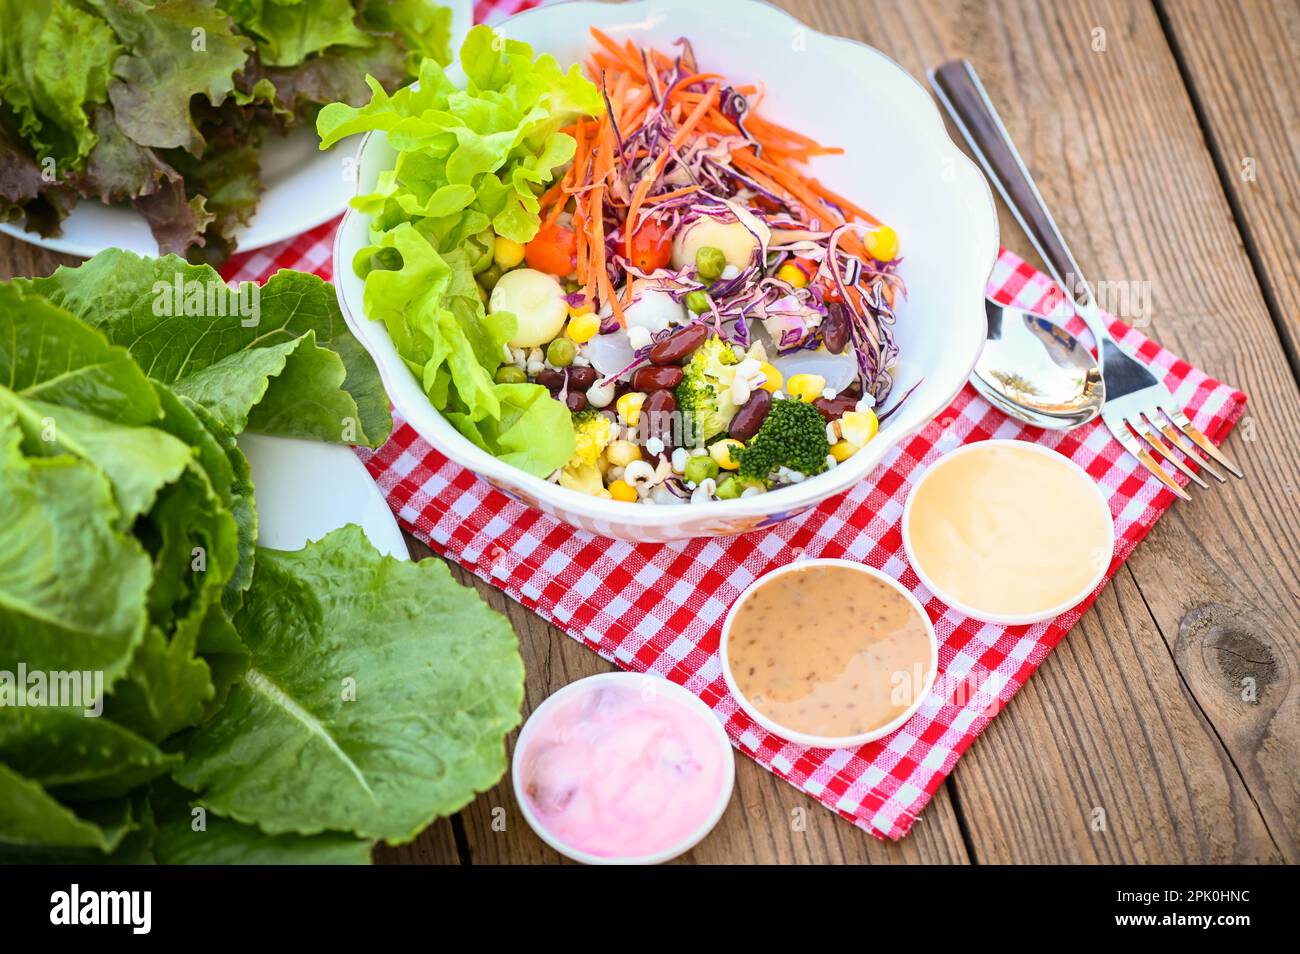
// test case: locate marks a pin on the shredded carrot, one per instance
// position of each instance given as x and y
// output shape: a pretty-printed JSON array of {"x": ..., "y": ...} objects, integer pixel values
[
  {"x": 665, "y": 196},
  {"x": 687, "y": 81},
  {"x": 631, "y": 63},
  {"x": 635, "y": 82}
]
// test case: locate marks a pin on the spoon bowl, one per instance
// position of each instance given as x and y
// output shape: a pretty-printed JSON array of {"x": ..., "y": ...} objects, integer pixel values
[{"x": 1036, "y": 371}]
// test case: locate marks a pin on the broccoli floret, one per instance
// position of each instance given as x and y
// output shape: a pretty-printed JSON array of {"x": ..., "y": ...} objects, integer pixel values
[
  {"x": 591, "y": 434},
  {"x": 793, "y": 435},
  {"x": 704, "y": 394}
]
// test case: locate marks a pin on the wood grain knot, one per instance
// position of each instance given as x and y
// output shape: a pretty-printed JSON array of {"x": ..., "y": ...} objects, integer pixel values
[{"x": 1229, "y": 648}]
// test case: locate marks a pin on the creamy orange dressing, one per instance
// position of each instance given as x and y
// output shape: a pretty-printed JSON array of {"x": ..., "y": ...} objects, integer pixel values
[
  {"x": 1009, "y": 531},
  {"x": 828, "y": 651}
]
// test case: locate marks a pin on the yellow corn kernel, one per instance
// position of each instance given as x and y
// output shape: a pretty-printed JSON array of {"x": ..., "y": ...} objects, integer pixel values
[
  {"x": 792, "y": 273},
  {"x": 858, "y": 427},
  {"x": 622, "y": 490},
  {"x": 621, "y": 453},
  {"x": 582, "y": 326},
  {"x": 721, "y": 452},
  {"x": 629, "y": 407},
  {"x": 843, "y": 450},
  {"x": 806, "y": 387},
  {"x": 881, "y": 244},
  {"x": 772, "y": 378},
  {"x": 507, "y": 253}
]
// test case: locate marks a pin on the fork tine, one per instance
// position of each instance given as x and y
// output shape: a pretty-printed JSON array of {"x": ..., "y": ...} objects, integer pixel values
[
  {"x": 1187, "y": 427},
  {"x": 1148, "y": 434},
  {"x": 1180, "y": 441},
  {"x": 1126, "y": 438}
]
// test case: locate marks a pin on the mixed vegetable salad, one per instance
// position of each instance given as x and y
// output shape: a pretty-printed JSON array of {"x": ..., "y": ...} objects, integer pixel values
[{"x": 624, "y": 281}]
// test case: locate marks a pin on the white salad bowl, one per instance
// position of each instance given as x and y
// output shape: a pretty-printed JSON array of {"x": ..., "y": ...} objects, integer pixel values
[{"x": 898, "y": 162}]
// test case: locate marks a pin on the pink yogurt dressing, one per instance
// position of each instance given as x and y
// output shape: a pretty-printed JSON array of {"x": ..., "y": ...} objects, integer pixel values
[{"x": 620, "y": 772}]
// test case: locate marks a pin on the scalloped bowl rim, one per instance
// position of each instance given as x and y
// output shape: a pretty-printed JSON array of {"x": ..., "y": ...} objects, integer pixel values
[{"x": 409, "y": 398}]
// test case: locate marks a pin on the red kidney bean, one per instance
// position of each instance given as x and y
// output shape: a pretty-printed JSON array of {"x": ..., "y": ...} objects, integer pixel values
[
  {"x": 550, "y": 378},
  {"x": 651, "y": 378},
  {"x": 834, "y": 408},
  {"x": 581, "y": 378},
  {"x": 679, "y": 344},
  {"x": 657, "y": 416},
  {"x": 835, "y": 327},
  {"x": 751, "y": 415},
  {"x": 576, "y": 400}
]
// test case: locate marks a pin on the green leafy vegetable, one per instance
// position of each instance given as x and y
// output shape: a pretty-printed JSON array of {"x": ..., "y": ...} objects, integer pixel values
[
  {"x": 129, "y": 573},
  {"x": 471, "y": 163},
  {"x": 165, "y": 103},
  {"x": 59, "y": 530},
  {"x": 280, "y": 361},
  {"x": 355, "y": 699}
]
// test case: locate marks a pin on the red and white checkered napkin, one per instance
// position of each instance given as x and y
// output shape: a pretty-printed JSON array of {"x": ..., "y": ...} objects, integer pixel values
[{"x": 659, "y": 608}]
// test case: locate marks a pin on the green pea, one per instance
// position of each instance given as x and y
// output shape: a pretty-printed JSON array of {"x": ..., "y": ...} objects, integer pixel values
[
  {"x": 709, "y": 263},
  {"x": 509, "y": 374},
  {"x": 698, "y": 302},
  {"x": 730, "y": 488},
  {"x": 700, "y": 469},
  {"x": 561, "y": 352}
]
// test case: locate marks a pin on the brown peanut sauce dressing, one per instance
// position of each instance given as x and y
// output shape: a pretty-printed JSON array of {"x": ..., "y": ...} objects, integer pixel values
[{"x": 828, "y": 651}]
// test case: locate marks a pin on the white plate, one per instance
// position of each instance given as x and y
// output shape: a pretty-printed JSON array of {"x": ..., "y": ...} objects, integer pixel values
[
  {"x": 305, "y": 489},
  {"x": 304, "y": 188}
]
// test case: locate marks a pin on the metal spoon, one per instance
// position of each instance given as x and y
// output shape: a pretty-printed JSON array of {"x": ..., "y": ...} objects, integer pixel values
[{"x": 1036, "y": 371}]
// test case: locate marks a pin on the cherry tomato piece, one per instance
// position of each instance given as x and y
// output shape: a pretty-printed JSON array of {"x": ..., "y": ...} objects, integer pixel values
[
  {"x": 553, "y": 250},
  {"x": 651, "y": 246}
]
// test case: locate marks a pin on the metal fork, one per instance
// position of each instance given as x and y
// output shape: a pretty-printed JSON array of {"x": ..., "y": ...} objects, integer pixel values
[{"x": 1137, "y": 404}]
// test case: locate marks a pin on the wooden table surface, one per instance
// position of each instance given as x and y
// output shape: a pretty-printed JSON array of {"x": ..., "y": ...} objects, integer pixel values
[{"x": 1165, "y": 136}]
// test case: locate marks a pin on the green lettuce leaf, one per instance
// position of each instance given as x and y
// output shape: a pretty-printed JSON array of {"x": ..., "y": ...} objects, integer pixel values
[
  {"x": 189, "y": 837},
  {"x": 73, "y": 585},
  {"x": 534, "y": 431},
  {"x": 179, "y": 49},
  {"x": 436, "y": 320},
  {"x": 79, "y": 757},
  {"x": 470, "y": 165},
  {"x": 32, "y": 817},
  {"x": 228, "y": 473},
  {"x": 290, "y": 30},
  {"x": 48, "y": 355},
  {"x": 138, "y": 461},
  {"x": 378, "y": 697},
  {"x": 291, "y": 369},
  {"x": 423, "y": 25},
  {"x": 166, "y": 689},
  {"x": 55, "y": 62}
]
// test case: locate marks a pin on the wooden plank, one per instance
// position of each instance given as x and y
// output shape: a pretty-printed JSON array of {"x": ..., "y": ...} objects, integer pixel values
[
  {"x": 436, "y": 845},
  {"x": 21, "y": 259},
  {"x": 1112, "y": 139},
  {"x": 1240, "y": 60},
  {"x": 1125, "y": 767}
]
